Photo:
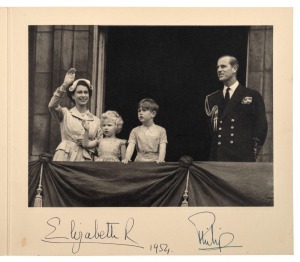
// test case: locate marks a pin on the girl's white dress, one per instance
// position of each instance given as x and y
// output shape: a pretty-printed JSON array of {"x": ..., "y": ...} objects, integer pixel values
[{"x": 110, "y": 149}]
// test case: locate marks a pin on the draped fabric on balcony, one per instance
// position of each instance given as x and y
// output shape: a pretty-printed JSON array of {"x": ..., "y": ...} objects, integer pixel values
[{"x": 108, "y": 184}]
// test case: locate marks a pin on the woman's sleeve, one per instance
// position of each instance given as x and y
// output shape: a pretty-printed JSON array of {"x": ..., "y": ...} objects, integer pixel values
[{"x": 54, "y": 104}]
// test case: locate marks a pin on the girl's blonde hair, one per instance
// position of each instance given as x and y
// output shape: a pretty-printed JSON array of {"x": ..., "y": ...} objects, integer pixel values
[{"x": 114, "y": 116}]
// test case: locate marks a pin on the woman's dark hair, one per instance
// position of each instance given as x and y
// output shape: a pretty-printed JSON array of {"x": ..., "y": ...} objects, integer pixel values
[{"x": 71, "y": 93}]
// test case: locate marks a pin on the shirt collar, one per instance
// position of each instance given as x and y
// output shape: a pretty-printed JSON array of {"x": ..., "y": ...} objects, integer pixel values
[
  {"x": 74, "y": 112},
  {"x": 144, "y": 128},
  {"x": 232, "y": 88}
]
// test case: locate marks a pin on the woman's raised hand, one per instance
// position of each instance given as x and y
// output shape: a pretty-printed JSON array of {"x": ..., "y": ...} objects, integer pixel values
[{"x": 70, "y": 77}]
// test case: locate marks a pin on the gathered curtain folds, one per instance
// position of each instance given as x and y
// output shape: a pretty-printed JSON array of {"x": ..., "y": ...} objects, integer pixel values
[{"x": 111, "y": 184}]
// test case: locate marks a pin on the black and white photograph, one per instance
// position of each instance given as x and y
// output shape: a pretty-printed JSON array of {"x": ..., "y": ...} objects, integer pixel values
[
  {"x": 159, "y": 132},
  {"x": 150, "y": 131}
]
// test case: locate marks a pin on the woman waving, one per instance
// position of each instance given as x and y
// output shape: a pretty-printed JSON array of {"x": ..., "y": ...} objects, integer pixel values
[{"x": 72, "y": 131}]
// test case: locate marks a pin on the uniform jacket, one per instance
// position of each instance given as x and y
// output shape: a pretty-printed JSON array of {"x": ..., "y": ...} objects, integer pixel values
[{"x": 235, "y": 127}]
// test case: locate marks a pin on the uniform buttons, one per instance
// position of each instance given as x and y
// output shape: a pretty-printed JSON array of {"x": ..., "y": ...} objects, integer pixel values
[
  {"x": 219, "y": 143},
  {"x": 232, "y": 127},
  {"x": 219, "y": 136},
  {"x": 231, "y": 134},
  {"x": 221, "y": 122},
  {"x": 232, "y": 120},
  {"x": 231, "y": 142},
  {"x": 220, "y": 128}
]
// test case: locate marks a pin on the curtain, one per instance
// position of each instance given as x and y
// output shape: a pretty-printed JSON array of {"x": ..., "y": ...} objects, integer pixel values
[{"x": 111, "y": 184}]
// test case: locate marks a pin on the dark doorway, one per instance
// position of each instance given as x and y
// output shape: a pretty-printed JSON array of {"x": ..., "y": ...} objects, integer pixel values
[{"x": 176, "y": 66}]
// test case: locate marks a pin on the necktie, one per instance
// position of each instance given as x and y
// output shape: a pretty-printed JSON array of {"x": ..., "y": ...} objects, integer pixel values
[{"x": 227, "y": 97}]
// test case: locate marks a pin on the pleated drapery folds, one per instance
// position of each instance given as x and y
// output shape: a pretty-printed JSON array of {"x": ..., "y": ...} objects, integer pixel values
[{"x": 111, "y": 184}]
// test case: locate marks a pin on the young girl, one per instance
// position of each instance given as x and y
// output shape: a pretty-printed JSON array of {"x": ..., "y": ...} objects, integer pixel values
[{"x": 110, "y": 148}]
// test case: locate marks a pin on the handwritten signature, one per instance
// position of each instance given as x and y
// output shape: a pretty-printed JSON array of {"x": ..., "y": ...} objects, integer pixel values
[
  {"x": 204, "y": 223},
  {"x": 111, "y": 233}
]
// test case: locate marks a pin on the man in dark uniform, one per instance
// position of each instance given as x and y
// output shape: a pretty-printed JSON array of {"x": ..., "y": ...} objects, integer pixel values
[{"x": 237, "y": 117}]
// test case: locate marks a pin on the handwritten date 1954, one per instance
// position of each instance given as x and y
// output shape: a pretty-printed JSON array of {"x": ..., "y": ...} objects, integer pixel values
[{"x": 160, "y": 248}]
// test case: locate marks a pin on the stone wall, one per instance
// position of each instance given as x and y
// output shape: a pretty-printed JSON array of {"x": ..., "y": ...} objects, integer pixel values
[{"x": 260, "y": 77}]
